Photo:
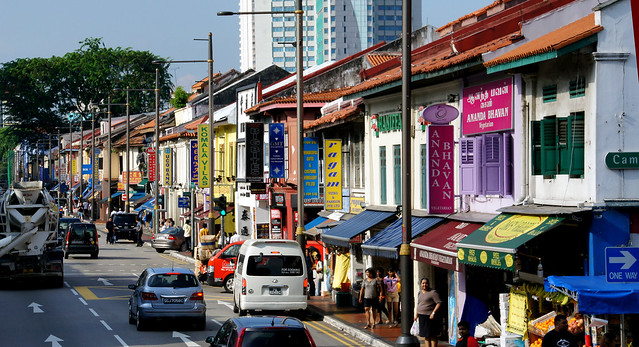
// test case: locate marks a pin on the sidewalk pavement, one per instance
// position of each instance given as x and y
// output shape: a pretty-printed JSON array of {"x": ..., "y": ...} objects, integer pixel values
[{"x": 349, "y": 319}]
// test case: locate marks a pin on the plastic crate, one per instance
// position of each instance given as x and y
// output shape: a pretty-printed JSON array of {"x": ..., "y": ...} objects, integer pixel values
[{"x": 541, "y": 332}]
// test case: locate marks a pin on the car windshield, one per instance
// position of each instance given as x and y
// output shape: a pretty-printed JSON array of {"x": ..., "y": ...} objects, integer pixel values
[
  {"x": 173, "y": 280},
  {"x": 62, "y": 225},
  {"x": 274, "y": 265},
  {"x": 124, "y": 218},
  {"x": 80, "y": 232},
  {"x": 275, "y": 337},
  {"x": 171, "y": 231}
]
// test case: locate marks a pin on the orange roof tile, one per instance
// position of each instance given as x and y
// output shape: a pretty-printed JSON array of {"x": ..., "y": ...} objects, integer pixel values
[
  {"x": 552, "y": 41},
  {"x": 477, "y": 13},
  {"x": 192, "y": 125},
  {"x": 178, "y": 135},
  {"x": 378, "y": 58},
  {"x": 335, "y": 116},
  {"x": 317, "y": 97}
]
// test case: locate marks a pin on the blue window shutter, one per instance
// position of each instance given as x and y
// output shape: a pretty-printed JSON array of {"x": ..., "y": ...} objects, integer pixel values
[
  {"x": 469, "y": 162},
  {"x": 493, "y": 165},
  {"x": 508, "y": 164}
]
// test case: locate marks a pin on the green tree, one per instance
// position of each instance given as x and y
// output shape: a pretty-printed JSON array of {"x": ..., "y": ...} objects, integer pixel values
[
  {"x": 42, "y": 93},
  {"x": 180, "y": 97}
]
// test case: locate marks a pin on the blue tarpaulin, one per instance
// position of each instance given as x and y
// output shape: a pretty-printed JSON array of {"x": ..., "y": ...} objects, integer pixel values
[
  {"x": 343, "y": 233},
  {"x": 314, "y": 222},
  {"x": 385, "y": 243},
  {"x": 595, "y": 295},
  {"x": 149, "y": 205}
]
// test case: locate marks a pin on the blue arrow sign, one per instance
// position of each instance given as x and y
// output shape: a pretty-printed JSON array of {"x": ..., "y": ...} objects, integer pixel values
[{"x": 622, "y": 264}]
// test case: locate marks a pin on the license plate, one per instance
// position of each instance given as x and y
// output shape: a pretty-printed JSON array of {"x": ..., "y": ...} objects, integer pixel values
[
  {"x": 275, "y": 291},
  {"x": 77, "y": 242},
  {"x": 173, "y": 300}
]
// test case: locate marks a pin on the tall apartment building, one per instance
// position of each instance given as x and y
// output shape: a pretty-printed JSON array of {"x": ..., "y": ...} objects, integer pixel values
[{"x": 332, "y": 29}]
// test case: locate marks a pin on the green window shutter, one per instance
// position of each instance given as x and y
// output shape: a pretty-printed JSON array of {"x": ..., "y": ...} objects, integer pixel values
[
  {"x": 535, "y": 150},
  {"x": 397, "y": 167},
  {"x": 549, "y": 146},
  {"x": 563, "y": 152},
  {"x": 575, "y": 136},
  {"x": 382, "y": 174},
  {"x": 577, "y": 87},
  {"x": 424, "y": 178},
  {"x": 550, "y": 93}
]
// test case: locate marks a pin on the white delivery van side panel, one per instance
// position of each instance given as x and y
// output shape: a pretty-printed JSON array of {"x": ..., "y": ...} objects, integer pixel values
[{"x": 270, "y": 275}]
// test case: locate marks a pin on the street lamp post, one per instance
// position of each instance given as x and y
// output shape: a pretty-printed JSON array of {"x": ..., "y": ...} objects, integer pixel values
[
  {"x": 299, "y": 13},
  {"x": 211, "y": 219}
]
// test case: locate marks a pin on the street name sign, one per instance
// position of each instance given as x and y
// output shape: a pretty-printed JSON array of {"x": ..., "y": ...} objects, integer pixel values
[{"x": 622, "y": 264}]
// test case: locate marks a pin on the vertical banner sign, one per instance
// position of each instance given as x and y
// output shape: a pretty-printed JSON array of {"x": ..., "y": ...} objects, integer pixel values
[
  {"x": 74, "y": 166},
  {"x": 152, "y": 157},
  {"x": 276, "y": 150},
  {"x": 94, "y": 165},
  {"x": 333, "y": 171},
  {"x": 168, "y": 168},
  {"x": 255, "y": 152},
  {"x": 517, "y": 320},
  {"x": 311, "y": 168},
  {"x": 440, "y": 169},
  {"x": 203, "y": 155},
  {"x": 488, "y": 107},
  {"x": 194, "y": 162}
]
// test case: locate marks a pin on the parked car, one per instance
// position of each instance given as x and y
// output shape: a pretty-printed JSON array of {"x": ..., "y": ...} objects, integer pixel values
[
  {"x": 221, "y": 266},
  {"x": 63, "y": 225},
  {"x": 169, "y": 238},
  {"x": 264, "y": 331},
  {"x": 81, "y": 238},
  {"x": 124, "y": 226},
  {"x": 167, "y": 293},
  {"x": 270, "y": 276}
]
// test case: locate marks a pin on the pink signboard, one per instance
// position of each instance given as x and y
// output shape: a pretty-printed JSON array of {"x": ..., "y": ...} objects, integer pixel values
[
  {"x": 488, "y": 107},
  {"x": 441, "y": 161}
]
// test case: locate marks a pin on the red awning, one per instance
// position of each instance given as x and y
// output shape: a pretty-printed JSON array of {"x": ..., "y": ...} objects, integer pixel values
[{"x": 439, "y": 246}]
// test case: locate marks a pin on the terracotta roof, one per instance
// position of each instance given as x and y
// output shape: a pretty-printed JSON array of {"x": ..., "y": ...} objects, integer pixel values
[
  {"x": 427, "y": 61},
  {"x": 178, "y": 135},
  {"x": 317, "y": 97},
  {"x": 151, "y": 124},
  {"x": 205, "y": 81},
  {"x": 378, "y": 58},
  {"x": 477, "y": 13},
  {"x": 335, "y": 116},
  {"x": 192, "y": 125},
  {"x": 552, "y": 41}
]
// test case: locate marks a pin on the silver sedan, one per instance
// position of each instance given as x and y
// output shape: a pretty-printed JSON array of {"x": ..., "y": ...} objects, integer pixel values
[
  {"x": 167, "y": 293},
  {"x": 169, "y": 238}
]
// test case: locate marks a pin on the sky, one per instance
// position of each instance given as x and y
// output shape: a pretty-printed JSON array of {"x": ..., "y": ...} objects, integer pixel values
[{"x": 167, "y": 28}]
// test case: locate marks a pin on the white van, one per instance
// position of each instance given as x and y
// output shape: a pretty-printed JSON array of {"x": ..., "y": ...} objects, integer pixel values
[{"x": 270, "y": 275}]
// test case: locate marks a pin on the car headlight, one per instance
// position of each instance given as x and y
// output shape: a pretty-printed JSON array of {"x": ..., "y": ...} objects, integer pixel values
[{"x": 211, "y": 269}]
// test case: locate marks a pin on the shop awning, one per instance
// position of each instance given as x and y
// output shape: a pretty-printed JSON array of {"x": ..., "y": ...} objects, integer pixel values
[
  {"x": 314, "y": 222},
  {"x": 317, "y": 229},
  {"x": 385, "y": 243},
  {"x": 439, "y": 246},
  {"x": 495, "y": 243},
  {"x": 597, "y": 296},
  {"x": 143, "y": 183},
  {"x": 138, "y": 196},
  {"x": 116, "y": 194},
  {"x": 343, "y": 233},
  {"x": 149, "y": 205}
]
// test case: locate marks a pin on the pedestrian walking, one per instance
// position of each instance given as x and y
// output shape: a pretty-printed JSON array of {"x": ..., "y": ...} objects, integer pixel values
[
  {"x": 319, "y": 279},
  {"x": 428, "y": 304},
  {"x": 369, "y": 296},
  {"x": 381, "y": 306},
  {"x": 139, "y": 228},
  {"x": 391, "y": 284},
  {"x": 187, "y": 234},
  {"x": 110, "y": 231},
  {"x": 560, "y": 336}
]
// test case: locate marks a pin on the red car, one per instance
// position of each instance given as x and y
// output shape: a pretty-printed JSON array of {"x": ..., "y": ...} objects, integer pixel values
[
  {"x": 263, "y": 331},
  {"x": 221, "y": 266}
]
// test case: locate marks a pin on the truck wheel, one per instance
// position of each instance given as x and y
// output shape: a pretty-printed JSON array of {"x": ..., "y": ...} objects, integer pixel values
[
  {"x": 228, "y": 284},
  {"x": 58, "y": 282},
  {"x": 160, "y": 250}
]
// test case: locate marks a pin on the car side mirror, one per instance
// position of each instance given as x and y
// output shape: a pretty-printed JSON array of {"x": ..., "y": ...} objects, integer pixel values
[
  {"x": 209, "y": 339},
  {"x": 132, "y": 286}
]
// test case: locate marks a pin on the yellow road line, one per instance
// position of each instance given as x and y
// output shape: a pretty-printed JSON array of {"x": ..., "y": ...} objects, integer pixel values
[
  {"x": 88, "y": 294},
  {"x": 175, "y": 260},
  {"x": 335, "y": 334}
]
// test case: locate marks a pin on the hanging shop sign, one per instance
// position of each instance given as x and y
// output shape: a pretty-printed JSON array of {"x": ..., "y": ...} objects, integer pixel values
[
  {"x": 152, "y": 157},
  {"x": 517, "y": 313},
  {"x": 254, "y": 152},
  {"x": 441, "y": 144},
  {"x": 333, "y": 172},
  {"x": 440, "y": 114},
  {"x": 194, "y": 162},
  {"x": 276, "y": 150},
  {"x": 488, "y": 107},
  {"x": 203, "y": 133},
  {"x": 135, "y": 177},
  {"x": 311, "y": 168},
  {"x": 168, "y": 167},
  {"x": 622, "y": 160}
]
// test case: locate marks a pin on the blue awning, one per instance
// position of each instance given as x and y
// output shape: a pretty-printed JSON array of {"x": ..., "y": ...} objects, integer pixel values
[
  {"x": 314, "y": 222},
  {"x": 343, "y": 233},
  {"x": 385, "y": 243},
  {"x": 595, "y": 295},
  {"x": 138, "y": 196},
  {"x": 116, "y": 194},
  {"x": 149, "y": 205}
]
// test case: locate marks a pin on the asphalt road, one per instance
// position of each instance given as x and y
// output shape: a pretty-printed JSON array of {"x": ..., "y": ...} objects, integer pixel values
[{"x": 91, "y": 308}]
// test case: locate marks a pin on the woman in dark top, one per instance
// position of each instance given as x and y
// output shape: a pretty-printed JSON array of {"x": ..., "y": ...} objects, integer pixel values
[
  {"x": 428, "y": 303},
  {"x": 369, "y": 295}
]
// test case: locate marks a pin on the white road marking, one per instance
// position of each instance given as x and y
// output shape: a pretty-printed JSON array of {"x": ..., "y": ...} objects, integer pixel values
[
  {"x": 120, "y": 340},
  {"x": 84, "y": 302},
  {"x": 106, "y": 325},
  {"x": 94, "y": 313},
  {"x": 216, "y": 322},
  {"x": 74, "y": 292}
]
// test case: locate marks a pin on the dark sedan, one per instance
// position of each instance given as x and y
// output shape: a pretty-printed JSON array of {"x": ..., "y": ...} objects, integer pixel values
[{"x": 169, "y": 238}]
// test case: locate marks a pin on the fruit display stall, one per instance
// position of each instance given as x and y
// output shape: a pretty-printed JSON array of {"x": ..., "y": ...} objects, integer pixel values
[{"x": 604, "y": 306}]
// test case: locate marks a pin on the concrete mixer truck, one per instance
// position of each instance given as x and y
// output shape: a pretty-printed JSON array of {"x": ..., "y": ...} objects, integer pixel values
[{"x": 28, "y": 234}]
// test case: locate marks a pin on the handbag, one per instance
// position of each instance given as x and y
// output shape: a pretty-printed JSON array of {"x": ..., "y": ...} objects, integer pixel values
[{"x": 414, "y": 329}]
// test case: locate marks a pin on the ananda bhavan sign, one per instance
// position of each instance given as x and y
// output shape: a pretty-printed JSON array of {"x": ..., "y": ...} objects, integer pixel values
[
  {"x": 441, "y": 144},
  {"x": 488, "y": 107}
]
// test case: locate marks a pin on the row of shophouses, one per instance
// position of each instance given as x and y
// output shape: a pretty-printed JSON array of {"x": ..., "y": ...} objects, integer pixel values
[{"x": 524, "y": 158}]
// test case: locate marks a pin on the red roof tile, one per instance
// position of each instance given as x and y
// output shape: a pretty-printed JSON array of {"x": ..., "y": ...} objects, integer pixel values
[
  {"x": 552, "y": 41},
  {"x": 335, "y": 116},
  {"x": 192, "y": 125},
  {"x": 318, "y": 97},
  {"x": 379, "y": 58}
]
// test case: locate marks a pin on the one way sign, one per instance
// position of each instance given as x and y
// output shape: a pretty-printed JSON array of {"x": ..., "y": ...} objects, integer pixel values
[{"x": 622, "y": 264}]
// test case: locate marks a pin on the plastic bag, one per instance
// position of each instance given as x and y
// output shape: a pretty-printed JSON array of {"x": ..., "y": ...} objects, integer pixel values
[{"x": 414, "y": 329}]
